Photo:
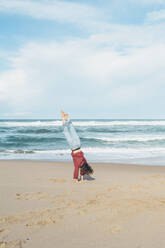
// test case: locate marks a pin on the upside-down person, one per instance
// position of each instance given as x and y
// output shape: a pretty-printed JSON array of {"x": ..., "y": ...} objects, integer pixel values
[{"x": 80, "y": 163}]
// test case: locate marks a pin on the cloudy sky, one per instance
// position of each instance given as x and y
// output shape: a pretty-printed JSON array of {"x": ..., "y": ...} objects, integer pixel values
[{"x": 94, "y": 59}]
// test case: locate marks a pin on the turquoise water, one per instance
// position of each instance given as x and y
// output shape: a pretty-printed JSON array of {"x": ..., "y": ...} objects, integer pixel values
[{"x": 129, "y": 141}]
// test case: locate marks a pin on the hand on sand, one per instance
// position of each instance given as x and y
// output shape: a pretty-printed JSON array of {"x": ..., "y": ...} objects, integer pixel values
[
  {"x": 75, "y": 180},
  {"x": 82, "y": 181}
]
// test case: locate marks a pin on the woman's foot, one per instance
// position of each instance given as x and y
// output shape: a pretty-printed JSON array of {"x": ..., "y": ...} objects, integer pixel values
[{"x": 64, "y": 116}]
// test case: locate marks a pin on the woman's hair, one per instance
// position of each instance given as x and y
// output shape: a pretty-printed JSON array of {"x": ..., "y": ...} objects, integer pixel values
[{"x": 86, "y": 169}]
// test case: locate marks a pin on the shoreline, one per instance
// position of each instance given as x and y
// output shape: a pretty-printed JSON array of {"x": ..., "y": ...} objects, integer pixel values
[{"x": 71, "y": 162}]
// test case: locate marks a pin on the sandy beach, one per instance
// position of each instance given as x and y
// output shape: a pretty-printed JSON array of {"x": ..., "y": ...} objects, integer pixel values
[{"x": 121, "y": 206}]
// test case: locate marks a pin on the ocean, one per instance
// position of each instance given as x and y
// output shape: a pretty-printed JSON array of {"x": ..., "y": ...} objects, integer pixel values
[{"x": 126, "y": 141}]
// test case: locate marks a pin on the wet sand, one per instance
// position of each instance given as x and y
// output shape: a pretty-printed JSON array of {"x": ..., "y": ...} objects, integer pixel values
[{"x": 121, "y": 206}]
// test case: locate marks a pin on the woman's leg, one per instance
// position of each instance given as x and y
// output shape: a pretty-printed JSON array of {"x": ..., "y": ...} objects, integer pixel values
[
  {"x": 76, "y": 172},
  {"x": 74, "y": 134},
  {"x": 70, "y": 133}
]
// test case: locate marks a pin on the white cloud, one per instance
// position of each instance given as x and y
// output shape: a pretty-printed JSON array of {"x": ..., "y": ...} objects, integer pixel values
[
  {"x": 130, "y": 36},
  {"x": 14, "y": 77},
  {"x": 16, "y": 115},
  {"x": 83, "y": 74},
  {"x": 61, "y": 11},
  {"x": 118, "y": 67},
  {"x": 16, "y": 88},
  {"x": 148, "y": 1},
  {"x": 156, "y": 16}
]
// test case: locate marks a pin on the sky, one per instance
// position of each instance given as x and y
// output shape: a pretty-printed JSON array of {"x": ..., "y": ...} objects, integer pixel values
[{"x": 93, "y": 59}]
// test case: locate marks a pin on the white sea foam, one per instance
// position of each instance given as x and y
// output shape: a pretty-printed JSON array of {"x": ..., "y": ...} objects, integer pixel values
[
  {"x": 123, "y": 150},
  {"x": 31, "y": 124},
  {"x": 109, "y": 154},
  {"x": 127, "y": 138},
  {"x": 60, "y": 151},
  {"x": 95, "y": 150},
  {"x": 83, "y": 123},
  {"x": 129, "y": 155},
  {"x": 98, "y": 150},
  {"x": 116, "y": 123}
]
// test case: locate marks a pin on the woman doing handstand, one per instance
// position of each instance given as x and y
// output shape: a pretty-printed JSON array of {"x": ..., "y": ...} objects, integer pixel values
[{"x": 75, "y": 145}]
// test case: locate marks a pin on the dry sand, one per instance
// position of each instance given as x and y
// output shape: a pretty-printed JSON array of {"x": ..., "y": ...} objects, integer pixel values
[{"x": 122, "y": 207}]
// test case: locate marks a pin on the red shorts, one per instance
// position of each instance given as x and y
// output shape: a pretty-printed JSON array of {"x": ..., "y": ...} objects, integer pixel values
[{"x": 78, "y": 160}]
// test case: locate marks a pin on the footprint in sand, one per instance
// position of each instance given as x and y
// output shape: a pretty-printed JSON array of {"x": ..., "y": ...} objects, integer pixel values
[
  {"x": 156, "y": 179},
  {"x": 115, "y": 187},
  {"x": 34, "y": 218},
  {"x": 32, "y": 196},
  {"x": 101, "y": 196},
  {"x": 92, "y": 202},
  {"x": 115, "y": 229},
  {"x": 11, "y": 244},
  {"x": 57, "y": 180},
  {"x": 82, "y": 212},
  {"x": 138, "y": 187},
  {"x": 2, "y": 231},
  {"x": 60, "y": 200},
  {"x": 53, "y": 180},
  {"x": 92, "y": 189},
  {"x": 154, "y": 176}
]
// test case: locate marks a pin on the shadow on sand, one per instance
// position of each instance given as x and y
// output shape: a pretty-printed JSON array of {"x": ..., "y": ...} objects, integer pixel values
[{"x": 88, "y": 178}]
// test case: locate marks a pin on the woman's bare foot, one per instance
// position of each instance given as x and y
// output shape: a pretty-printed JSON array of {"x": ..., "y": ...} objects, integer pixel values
[{"x": 64, "y": 116}]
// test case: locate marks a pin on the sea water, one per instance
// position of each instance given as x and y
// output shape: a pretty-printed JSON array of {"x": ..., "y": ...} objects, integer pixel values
[{"x": 126, "y": 141}]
